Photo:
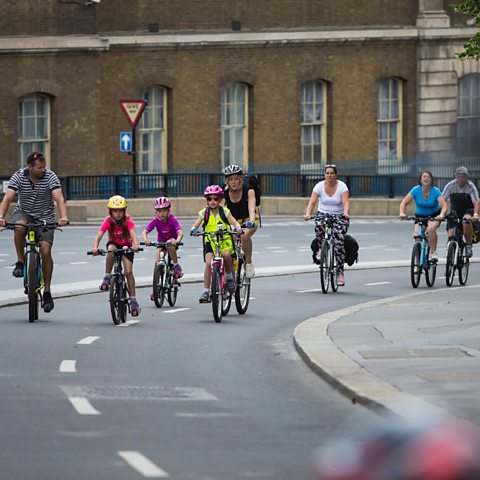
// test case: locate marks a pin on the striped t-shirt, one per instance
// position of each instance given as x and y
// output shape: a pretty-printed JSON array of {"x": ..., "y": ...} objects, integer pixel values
[{"x": 35, "y": 200}]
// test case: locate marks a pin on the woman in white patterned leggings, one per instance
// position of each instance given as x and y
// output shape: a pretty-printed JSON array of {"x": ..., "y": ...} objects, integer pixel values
[{"x": 333, "y": 199}]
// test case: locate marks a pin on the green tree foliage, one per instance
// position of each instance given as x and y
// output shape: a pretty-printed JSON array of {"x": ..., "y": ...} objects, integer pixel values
[{"x": 472, "y": 47}]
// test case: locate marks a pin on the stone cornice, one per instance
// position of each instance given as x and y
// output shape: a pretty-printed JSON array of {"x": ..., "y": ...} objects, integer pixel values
[{"x": 102, "y": 42}]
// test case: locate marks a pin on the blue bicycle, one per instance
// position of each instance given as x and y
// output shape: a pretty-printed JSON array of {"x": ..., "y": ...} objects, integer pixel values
[{"x": 420, "y": 262}]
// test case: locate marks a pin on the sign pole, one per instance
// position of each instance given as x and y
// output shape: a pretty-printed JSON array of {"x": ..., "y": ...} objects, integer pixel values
[{"x": 134, "y": 161}]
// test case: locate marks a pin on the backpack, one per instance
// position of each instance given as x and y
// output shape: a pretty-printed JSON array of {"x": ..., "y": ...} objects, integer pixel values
[
  {"x": 252, "y": 180},
  {"x": 351, "y": 250},
  {"x": 221, "y": 212},
  {"x": 315, "y": 246}
]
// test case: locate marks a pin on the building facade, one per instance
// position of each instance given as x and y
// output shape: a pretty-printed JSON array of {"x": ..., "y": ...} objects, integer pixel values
[{"x": 264, "y": 83}]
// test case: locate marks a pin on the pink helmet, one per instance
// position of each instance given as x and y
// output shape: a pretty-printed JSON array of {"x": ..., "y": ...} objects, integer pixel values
[
  {"x": 162, "y": 202},
  {"x": 214, "y": 190}
]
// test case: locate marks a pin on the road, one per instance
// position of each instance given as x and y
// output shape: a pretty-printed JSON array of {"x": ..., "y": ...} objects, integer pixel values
[{"x": 176, "y": 395}]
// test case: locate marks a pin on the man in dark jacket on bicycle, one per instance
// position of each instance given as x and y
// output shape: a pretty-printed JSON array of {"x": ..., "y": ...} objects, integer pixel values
[
  {"x": 464, "y": 201},
  {"x": 38, "y": 189}
]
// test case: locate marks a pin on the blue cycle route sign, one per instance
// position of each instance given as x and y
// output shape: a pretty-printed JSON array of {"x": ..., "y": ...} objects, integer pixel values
[{"x": 125, "y": 141}]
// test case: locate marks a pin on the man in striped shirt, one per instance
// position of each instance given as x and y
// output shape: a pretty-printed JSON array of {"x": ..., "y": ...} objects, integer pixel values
[{"x": 37, "y": 188}]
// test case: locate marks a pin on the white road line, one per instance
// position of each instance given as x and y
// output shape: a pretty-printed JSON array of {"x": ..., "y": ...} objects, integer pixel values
[
  {"x": 128, "y": 323},
  {"x": 78, "y": 263},
  {"x": 66, "y": 253},
  {"x": 307, "y": 291},
  {"x": 194, "y": 255},
  {"x": 142, "y": 464},
  {"x": 272, "y": 248},
  {"x": 68, "y": 366},
  {"x": 177, "y": 310},
  {"x": 279, "y": 251},
  {"x": 83, "y": 406},
  {"x": 377, "y": 283},
  {"x": 87, "y": 340}
]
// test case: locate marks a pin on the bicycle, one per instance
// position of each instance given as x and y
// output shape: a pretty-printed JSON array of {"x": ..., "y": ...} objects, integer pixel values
[
  {"x": 119, "y": 295},
  {"x": 420, "y": 261},
  {"x": 220, "y": 298},
  {"x": 456, "y": 259},
  {"x": 165, "y": 284},
  {"x": 32, "y": 266},
  {"x": 242, "y": 292},
  {"x": 328, "y": 260}
]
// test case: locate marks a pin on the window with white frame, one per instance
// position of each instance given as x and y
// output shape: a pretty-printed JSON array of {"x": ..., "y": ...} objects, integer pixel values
[
  {"x": 33, "y": 127},
  {"x": 468, "y": 115},
  {"x": 313, "y": 122},
  {"x": 234, "y": 125},
  {"x": 152, "y": 132},
  {"x": 389, "y": 120}
]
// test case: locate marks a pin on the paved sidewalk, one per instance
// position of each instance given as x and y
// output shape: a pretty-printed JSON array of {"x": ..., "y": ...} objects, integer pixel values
[{"x": 416, "y": 352}]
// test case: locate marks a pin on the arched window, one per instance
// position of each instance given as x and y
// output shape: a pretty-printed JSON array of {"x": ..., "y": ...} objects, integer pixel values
[
  {"x": 389, "y": 120},
  {"x": 468, "y": 115},
  {"x": 313, "y": 122},
  {"x": 153, "y": 131},
  {"x": 234, "y": 125},
  {"x": 33, "y": 126}
]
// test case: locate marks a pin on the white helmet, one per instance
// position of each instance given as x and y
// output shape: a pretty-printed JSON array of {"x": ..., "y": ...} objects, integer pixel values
[{"x": 232, "y": 170}]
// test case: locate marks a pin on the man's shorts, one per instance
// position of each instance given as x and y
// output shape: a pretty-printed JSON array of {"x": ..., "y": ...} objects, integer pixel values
[
  {"x": 43, "y": 236},
  {"x": 450, "y": 224}
]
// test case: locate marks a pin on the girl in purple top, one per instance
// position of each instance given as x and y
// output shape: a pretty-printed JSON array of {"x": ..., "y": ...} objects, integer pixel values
[{"x": 168, "y": 230}]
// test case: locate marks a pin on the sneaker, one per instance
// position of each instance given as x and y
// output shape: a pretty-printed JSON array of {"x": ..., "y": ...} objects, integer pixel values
[
  {"x": 105, "y": 285},
  {"x": 178, "y": 271},
  {"x": 340, "y": 279},
  {"x": 250, "y": 270},
  {"x": 135, "y": 308},
  {"x": 231, "y": 287},
  {"x": 433, "y": 257},
  {"x": 468, "y": 251},
  {"x": 204, "y": 297},
  {"x": 47, "y": 302},
  {"x": 18, "y": 270}
]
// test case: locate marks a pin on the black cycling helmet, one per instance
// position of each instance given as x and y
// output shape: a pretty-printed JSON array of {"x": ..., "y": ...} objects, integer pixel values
[{"x": 232, "y": 170}]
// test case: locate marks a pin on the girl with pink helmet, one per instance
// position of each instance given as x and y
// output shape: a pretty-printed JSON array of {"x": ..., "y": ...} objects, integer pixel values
[
  {"x": 168, "y": 230},
  {"x": 212, "y": 216}
]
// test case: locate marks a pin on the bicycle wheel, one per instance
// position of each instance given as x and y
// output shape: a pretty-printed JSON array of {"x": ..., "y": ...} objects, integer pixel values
[
  {"x": 158, "y": 284},
  {"x": 116, "y": 304},
  {"x": 32, "y": 285},
  {"x": 216, "y": 294},
  {"x": 242, "y": 293},
  {"x": 226, "y": 303},
  {"x": 415, "y": 266},
  {"x": 431, "y": 273},
  {"x": 333, "y": 269},
  {"x": 172, "y": 288},
  {"x": 450, "y": 266},
  {"x": 324, "y": 266},
  {"x": 463, "y": 266}
]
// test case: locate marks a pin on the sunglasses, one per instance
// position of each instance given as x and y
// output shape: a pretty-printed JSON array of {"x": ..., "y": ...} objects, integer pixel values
[
  {"x": 331, "y": 165},
  {"x": 213, "y": 198}
]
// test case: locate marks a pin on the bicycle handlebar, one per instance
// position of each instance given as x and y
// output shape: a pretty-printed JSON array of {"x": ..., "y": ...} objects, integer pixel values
[
  {"x": 421, "y": 220},
  {"x": 35, "y": 225},
  {"x": 162, "y": 244},
  {"x": 115, "y": 251}
]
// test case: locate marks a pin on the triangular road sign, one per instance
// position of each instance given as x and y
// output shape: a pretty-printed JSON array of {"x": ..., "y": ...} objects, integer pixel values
[{"x": 133, "y": 110}]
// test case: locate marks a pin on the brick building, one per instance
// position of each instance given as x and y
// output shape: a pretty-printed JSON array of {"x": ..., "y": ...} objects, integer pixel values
[{"x": 258, "y": 83}]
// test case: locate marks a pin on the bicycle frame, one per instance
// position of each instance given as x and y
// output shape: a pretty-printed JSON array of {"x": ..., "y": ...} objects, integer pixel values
[
  {"x": 33, "y": 284},
  {"x": 456, "y": 259}
]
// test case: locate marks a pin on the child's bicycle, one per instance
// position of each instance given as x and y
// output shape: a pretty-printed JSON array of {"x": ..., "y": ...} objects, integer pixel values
[
  {"x": 456, "y": 259},
  {"x": 32, "y": 267},
  {"x": 119, "y": 294},
  {"x": 420, "y": 260},
  {"x": 220, "y": 298},
  {"x": 165, "y": 284}
]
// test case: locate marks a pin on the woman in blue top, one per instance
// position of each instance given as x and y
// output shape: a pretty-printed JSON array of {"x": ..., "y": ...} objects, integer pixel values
[{"x": 428, "y": 203}]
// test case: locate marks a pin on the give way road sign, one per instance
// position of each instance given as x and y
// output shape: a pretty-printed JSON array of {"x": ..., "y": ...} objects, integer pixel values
[{"x": 133, "y": 110}]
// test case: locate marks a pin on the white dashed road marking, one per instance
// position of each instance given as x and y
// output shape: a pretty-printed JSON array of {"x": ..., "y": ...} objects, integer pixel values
[
  {"x": 78, "y": 263},
  {"x": 87, "y": 340},
  {"x": 83, "y": 406},
  {"x": 128, "y": 323},
  {"x": 307, "y": 291},
  {"x": 68, "y": 366},
  {"x": 376, "y": 283},
  {"x": 142, "y": 464},
  {"x": 176, "y": 310}
]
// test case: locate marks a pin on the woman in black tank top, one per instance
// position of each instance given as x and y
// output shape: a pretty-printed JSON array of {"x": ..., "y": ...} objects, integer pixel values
[{"x": 241, "y": 202}]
